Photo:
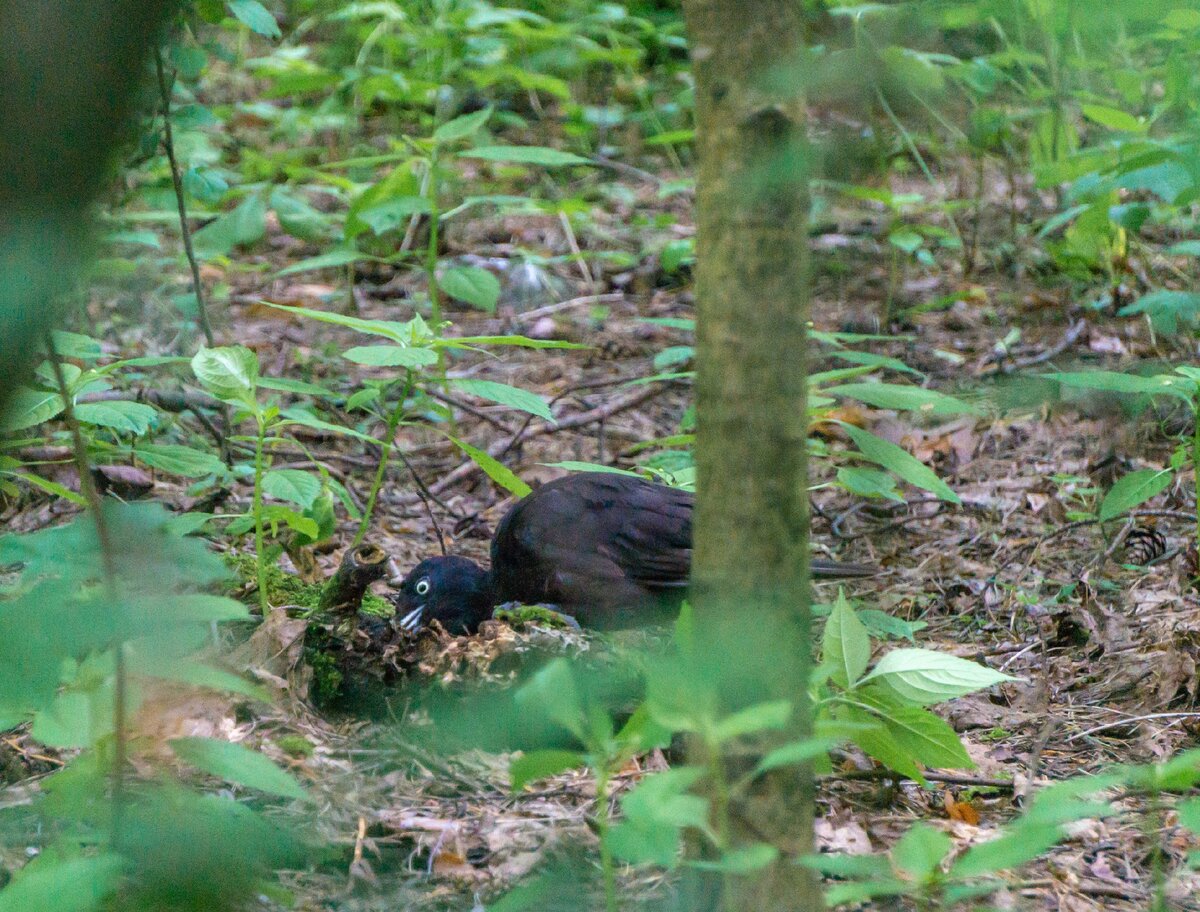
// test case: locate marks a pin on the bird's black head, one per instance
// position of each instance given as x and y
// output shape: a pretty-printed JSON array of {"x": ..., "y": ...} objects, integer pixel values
[{"x": 452, "y": 590}]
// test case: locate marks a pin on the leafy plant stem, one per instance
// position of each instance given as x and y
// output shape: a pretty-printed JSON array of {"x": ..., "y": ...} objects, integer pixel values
[
  {"x": 607, "y": 866},
  {"x": 393, "y": 422},
  {"x": 91, "y": 493},
  {"x": 260, "y": 566},
  {"x": 431, "y": 250},
  {"x": 168, "y": 141},
  {"x": 1196, "y": 460}
]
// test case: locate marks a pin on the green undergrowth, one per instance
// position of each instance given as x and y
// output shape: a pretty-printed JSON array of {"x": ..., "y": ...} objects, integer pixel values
[
  {"x": 285, "y": 588},
  {"x": 528, "y": 615}
]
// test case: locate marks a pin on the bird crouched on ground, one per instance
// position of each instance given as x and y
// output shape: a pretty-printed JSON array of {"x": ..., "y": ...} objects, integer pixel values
[{"x": 609, "y": 550}]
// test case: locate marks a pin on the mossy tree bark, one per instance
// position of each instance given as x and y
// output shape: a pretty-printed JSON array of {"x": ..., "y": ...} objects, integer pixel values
[{"x": 750, "y": 568}]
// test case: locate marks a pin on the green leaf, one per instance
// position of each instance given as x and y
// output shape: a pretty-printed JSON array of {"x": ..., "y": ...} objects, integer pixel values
[
  {"x": 898, "y": 460},
  {"x": 921, "y": 851},
  {"x": 743, "y": 860},
  {"x": 520, "y": 341},
  {"x": 1018, "y": 846},
  {"x": 869, "y": 359},
  {"x": 865, "y": 482},
  {"x": 298, "y": 218},
  {"x": 179, "y": 460},
  {"x": 922, "y": 736},
  {"x": 902, "y": 398},
  {"x": 51, "y": 487},
  {"x": 64, "y": 885},
  {"x": 74, "y": 345},
  {"x": 391, "y": 356},
  {"x": 461, "y": 127},
  {"x": 846, "y": 645},
  {"x": 392, "y": 213},
  {"x": 230, "y": 373},
  {"x": 1113, "y": 382},
  {"x": 760, "y": 717},
  {"x": 906, "y": 239},
  {"x": 238, "y": 764},
  {"x": 796, "y": 752},
  {"x": 475, "y": 286},
  {"x": 520, "y": 399},
  {"x": 297, "y": 415},
  {"x": 572, "y": 465},
  {"x": 293, "y": 485},
  {"x": 28, "y": 408},
  {"x": 656, "y": 811},
  {"x": 1113, "y": 118},
  {"x": 244, "y": 225},
  {"x": 1133, "y": 489},
  {"x": 541, "y": 765},
  {"x": 552, "y": 693},
  {"x": 923, "y": 676},
  {"x": 330, "y": 259},
  {"x": 495, "y": 470},
  {"x": 255, "y": 16},
  {"x": 526, "y": 155},
  {"x": 291, "y": 385},
  {"x": 134, "y": 417}
]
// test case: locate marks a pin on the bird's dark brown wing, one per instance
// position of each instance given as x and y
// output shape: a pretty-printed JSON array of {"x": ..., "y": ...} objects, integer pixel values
[{"x": 596, "y": 540}]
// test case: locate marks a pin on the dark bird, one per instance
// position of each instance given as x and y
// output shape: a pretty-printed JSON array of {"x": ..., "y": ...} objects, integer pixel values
[{"x": 603, "y": 548}]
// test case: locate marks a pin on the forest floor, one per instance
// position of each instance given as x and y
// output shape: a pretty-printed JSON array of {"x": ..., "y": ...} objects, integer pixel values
[{"x": 1104, "y": 652}]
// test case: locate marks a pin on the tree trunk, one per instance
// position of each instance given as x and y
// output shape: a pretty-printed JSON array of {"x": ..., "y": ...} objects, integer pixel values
[{"x": 750, "y": 569}]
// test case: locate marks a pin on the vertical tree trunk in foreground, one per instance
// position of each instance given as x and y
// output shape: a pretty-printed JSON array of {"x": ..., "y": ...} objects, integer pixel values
[{"x": 750, "y": 567}]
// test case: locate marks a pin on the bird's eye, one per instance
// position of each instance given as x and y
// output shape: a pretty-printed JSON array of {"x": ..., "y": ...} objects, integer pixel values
[{"x": 423, "y": 587}]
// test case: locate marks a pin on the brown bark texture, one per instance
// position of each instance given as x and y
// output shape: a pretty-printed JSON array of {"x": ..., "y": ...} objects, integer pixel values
[{"x": 750, "y": 568}]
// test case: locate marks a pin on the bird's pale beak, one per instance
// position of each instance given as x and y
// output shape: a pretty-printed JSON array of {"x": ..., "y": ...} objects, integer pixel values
[{"x": 412, "y": 620}]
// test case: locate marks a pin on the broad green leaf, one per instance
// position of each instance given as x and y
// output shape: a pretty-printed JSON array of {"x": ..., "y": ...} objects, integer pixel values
[
  {"x": 867, "y": 482},
  {"x": 744, "y": 860},
  {"x": 197, "y": 674},
  {"x": 846, "y": 645},
  {"x": 475, "y": 286},
  {"x": 796, "y": 752},
  {"x": 298, "y": 218},
  {"x": 904, "y": 398},
  {"x": 402, "y": 333},
  {"x": 541, "y": 765},
  {"x": 925, "y": 738},
  {"x": 28, "y": 408},
  {"x": 882, "y": 625},
  {"x": 553, "y": 693},
  {"x": 237, "y": 764},
  {"x": 461, "y": 127},
  {"x": 1113, "y": 382},
  {"x": 134, "y": 417},
  {"x": 520, "y": 341},
  {"x": 64, "y": 885},
  {"x": 1133, "y": 489},
  {"x": 230, "y": 373},
  {"x": 656, "y": 811},
  {"x": 760, "y": 717},
  {"x": 297, "y": 415},
  {"x": 1011, "y": 849},
  {"x": 293, "y": 485},
  {"x": 520, "y": 399},
  {"x": 391, "y": 356},
  {"x": 1113, "y": 118},
  {"x": 297, "y": 522},
  {"x": 923, "y": 676},
  {"x": 330, "y": 259},
  {"x": 392, "y": 213},
  {"x": 244, "y": 225},
  {"x": 906, "y": 239},
  {"x": 898, "y": 460},
  {"x": 869, "y": 359},
  {"x": 74, "y": 345},
  {"x": 526, "y": 155},
  {"x": 51, "y": 487},
  {"x": 179, "y": 460},
  {"x": 921, "y": 851},
  {"x": 1166, "y": 309},
  {"x": 255, "y": 16},
  {"x": 291, "y": 385}
]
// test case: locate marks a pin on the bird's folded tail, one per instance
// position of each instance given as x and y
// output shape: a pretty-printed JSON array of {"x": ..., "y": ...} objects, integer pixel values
[{"x": 831, "y": 569}]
